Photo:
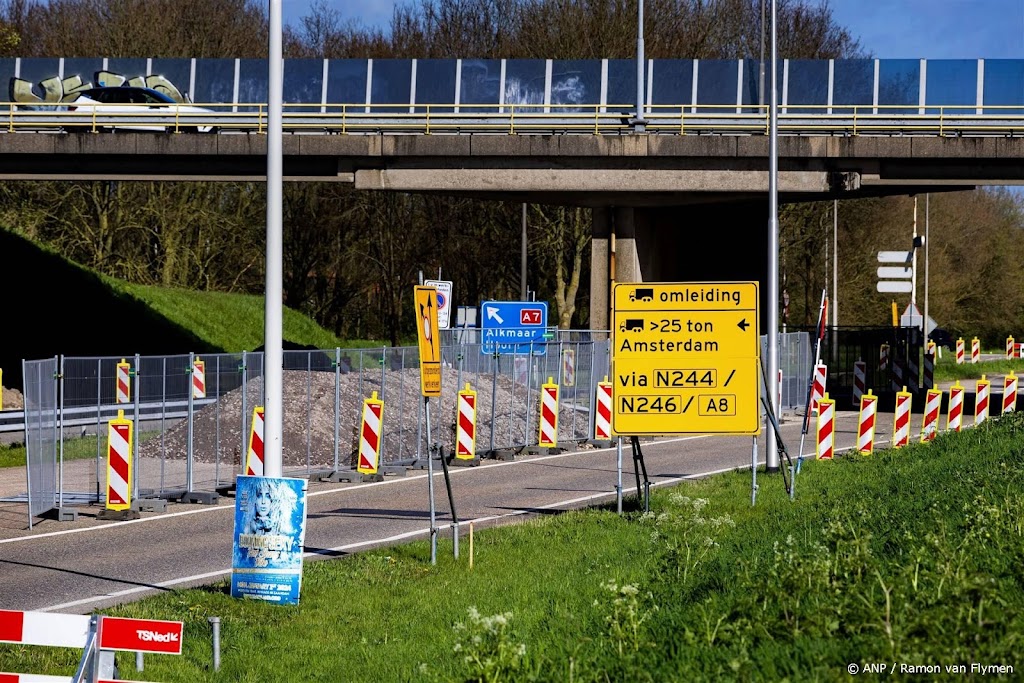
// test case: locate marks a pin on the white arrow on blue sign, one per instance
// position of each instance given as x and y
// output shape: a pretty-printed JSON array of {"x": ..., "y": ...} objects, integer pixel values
[{"x": 509, "y": 327}]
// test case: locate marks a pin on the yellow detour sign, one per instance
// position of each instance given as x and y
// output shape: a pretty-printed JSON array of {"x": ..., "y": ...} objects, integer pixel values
[
  {"x": 685, "y": 358},
  {"x": 429, "y": 342}
]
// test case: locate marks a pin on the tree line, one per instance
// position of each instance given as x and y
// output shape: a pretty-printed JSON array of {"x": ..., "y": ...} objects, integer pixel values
[{"x": 351, "y": 257}]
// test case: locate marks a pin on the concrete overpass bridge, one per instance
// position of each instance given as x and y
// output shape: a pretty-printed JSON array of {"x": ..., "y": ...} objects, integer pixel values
[{"x": 552, "y": 131}]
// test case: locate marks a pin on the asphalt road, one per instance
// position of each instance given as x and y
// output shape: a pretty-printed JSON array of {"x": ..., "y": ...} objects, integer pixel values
[{"x": 90, "y": 564}]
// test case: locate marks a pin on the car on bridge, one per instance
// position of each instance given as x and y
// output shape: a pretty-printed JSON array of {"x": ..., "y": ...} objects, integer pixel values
[{"x": 127, "y": 100}]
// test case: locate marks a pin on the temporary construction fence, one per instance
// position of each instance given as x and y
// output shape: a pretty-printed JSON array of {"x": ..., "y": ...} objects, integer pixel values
[{"x": 187, "y": 444}]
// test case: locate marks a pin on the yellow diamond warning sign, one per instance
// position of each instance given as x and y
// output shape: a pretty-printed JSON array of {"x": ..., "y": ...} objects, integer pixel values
[
  {"x": 429, "y": 341},
  {"x": 685, "y": 358}
]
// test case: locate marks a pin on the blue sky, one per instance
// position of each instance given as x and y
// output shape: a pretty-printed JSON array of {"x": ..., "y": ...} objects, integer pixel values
[{"x": 930, "y": 29}]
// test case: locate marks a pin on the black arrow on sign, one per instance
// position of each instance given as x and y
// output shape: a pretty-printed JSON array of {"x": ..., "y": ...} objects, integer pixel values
[{"x": 743, "y": 324}]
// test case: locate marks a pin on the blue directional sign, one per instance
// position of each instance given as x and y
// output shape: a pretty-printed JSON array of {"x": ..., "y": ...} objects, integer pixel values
[{"x": 508, "y": 327}]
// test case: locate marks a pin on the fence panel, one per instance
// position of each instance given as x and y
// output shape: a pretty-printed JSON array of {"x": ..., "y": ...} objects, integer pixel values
[{"x": 40, "y": 392}]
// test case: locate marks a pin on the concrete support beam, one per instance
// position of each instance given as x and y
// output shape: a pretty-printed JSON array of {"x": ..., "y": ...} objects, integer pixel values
[{"x": 621, "y": 180}]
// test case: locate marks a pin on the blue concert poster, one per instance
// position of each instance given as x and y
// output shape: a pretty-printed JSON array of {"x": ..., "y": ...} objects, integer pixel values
[{"x": 270, "y": 528}]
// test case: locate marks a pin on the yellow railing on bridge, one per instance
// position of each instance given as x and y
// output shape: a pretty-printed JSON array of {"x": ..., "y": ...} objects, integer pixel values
[{"x": 518, "y": 119}]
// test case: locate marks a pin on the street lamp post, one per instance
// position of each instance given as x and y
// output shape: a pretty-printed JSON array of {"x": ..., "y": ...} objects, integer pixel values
[{"x": 772, "y": 385}]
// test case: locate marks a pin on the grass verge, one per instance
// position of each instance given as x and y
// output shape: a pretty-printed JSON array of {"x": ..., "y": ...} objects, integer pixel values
[
  {"x": 946, "y": 369},
  {"x": 909, "y": 557}
]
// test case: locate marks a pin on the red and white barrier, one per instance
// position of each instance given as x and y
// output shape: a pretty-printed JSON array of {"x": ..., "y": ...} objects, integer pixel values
[
  {"x": 960, "y": 351},
  {"x": 975, "y": 351},
  {"x": 955, "y": 418},
  {"x": 928, "y": 379},
  {"x": 901, "y": 419},
  {"x": 860, "y": 371},
  {"x": 930, "y": 347},
  {"x": 198, "y": 378},
  {"x": 930, "y": 419},
  {"x": 465, "y": 433},
  {"x": 73, "y": 631},
  {"x": 547, "y": 433},
  {"x": 883, "y": 359},
  {"x": 866, "y": 423},
  {"x": 254, "y": 454},
  {"x": 818, "y": 386},
  {"x": 603, "y": 414},
  {"x": 119, "y": 463},
  {"x": 44, "y": 628},
  {"x": 370, "y": 435},
  {"x": 1011, "y": 348},
  {"x": 981, "y": 395},
  {"x": 1010, "y": 393},
  {"x": 825, "y": 439},
  {"x": 124, "y": 382}
]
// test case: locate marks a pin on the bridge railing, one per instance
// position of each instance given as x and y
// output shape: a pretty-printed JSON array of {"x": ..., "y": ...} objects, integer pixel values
[{"x": 520, "y": 119}]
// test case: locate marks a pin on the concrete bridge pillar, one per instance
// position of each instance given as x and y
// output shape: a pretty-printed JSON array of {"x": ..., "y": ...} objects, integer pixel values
[
  {"x": 691, "y": 243},
  {"x": 614, "y": 257}
]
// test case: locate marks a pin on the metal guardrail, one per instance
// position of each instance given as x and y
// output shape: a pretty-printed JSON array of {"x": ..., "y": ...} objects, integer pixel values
[{"x": 518, "y": 119}]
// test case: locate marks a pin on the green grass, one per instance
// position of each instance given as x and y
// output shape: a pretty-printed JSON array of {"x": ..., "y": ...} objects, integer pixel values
[
  {"x": 77, "y": 448},
  {"x": 946, "y": 369},
  {"x": 910, "y": 556}
]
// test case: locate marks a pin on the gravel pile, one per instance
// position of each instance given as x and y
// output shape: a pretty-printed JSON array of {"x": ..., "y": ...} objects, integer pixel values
[
  {"x": 13, "y": 400},
  {"x": 308, "y": 429}
]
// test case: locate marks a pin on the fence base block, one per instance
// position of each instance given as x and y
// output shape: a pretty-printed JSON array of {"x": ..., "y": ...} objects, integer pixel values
[
  {"x": 545, "y": 450},
  {"x": 228, "y": 490},
  {"x": 118, "y": 515},
  {"x": 202, "y": 497},
  {"x": 502, "y": 454},
  {"x": 150, "y": 505},
  {"x": 352, "y": 477},
  {"x": 465, "y": 462},
  {"x": 62, "y": 514},
  {"x": 395, "y": 470},
  {"x": 599, "y": 443}
]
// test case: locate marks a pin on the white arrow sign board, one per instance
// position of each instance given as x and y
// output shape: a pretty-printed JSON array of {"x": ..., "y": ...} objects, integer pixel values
[
  {"x": 894, "y": 272},
  {"x": 894, "y": 286},
  {"x": 894, "y": 257}
]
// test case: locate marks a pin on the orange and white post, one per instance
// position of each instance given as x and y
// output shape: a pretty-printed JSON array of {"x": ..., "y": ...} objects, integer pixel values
[
  {"x": 866, "y": 423},
  {"x": 1009, "y": 393},
  {"x": 465, "y": 441},
  {"x": 955, "y": 418},
  {"x": 370, "y": 435},
  {"x": 901, "y": 419},
  {"x": 960, "y": 351},
  {"x": 198, "y": 378},
  {"x": 818, "y": 386},
  {"x": 254, "y": 454},
  {"x": 825, "y": 448},
  {"x": 1011, "y": 348},
  {"x": 119, "y": 463},
  {"x": 975, "y": 351},
  {"x": 547, "y": 433},
  {"x": 930, "y": 419},
  {"x": 883, "y": 358},
  {"x": 981, "y": 395},
  {"x": 124, "y": 382},
  {"x": 603, "y": 414}
]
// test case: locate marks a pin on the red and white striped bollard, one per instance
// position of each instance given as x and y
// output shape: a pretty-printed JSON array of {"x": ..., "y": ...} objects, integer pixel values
[
  {"x": 1009, "y": 393},
  {"x": 901, "y": 419},
  {"x": 981, "y": 394},
  {"x": 124, "y": 382},
  {"x": 866, "y": 423},
  {"x": 955, "y": 418},
  {"x": 547, "y": 431},
  {"x": 465, "y": 433},
  {"x": 603, "y": 414},
  {"x": 818, "y": 386},
  {"x": 119, "y": 463},
  {"x": 370, "y": 432},
  {"x": 825, "y": 432},
  {"x": 254, "y": 453},
  {"x": 930, "y": 419}
]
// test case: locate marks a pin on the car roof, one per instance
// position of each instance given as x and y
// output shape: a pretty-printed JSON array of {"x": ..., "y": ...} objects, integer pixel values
[{"x": 127, "y": 88}]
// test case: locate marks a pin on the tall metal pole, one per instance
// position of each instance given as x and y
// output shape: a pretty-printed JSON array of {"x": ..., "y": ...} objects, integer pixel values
[
  {"x": 760, "y": 82},
  {"x": 927, "y": 243},
  {"x": 522, "y": 260},
  {"x": 273, "y": 375},
  {"x": 772, "y": 454},
  {"x": 640, "y": 65},
  {"x": 913, "y": 272},
  {"x": 835, "y": 280}
]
